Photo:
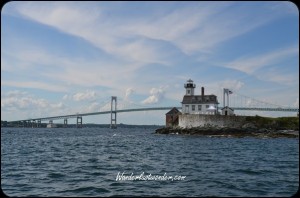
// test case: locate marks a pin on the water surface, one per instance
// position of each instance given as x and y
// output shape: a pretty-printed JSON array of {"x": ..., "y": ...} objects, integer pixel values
[{"x": 86, "y": 162}]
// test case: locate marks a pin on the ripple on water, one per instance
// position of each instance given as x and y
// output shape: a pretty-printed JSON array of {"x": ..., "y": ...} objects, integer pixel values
[
  {"x": 56, "y": 175},
  {"x": 249, "y": 171}
]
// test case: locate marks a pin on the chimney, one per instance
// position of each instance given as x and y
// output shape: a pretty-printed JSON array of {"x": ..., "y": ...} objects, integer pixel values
[{"x": 202, "y": 91}]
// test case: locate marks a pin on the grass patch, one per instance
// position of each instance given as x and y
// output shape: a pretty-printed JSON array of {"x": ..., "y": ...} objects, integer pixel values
[{"x": 281, "y": 123}]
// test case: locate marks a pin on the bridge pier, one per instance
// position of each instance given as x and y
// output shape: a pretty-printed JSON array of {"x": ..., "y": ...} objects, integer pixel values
[
  {"x": 65, "y": 123},
  {"x": 33, "y": 123},
  {"x": 79, "y": 122},
  {"x": 113, "y": 113},
  {"x": 39, "y": 123},
  {"x": 29, "y": 124}
]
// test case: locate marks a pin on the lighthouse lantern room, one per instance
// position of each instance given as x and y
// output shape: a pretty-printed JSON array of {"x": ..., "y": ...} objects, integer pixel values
[{"x": 189, "y": 86}]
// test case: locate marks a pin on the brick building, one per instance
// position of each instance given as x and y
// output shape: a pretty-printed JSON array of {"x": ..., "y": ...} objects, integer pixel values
[{"x": 172, "y": 117}]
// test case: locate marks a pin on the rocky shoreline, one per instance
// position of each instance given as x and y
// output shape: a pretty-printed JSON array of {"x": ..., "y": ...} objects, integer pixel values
[{"x": 230, "y": 132}]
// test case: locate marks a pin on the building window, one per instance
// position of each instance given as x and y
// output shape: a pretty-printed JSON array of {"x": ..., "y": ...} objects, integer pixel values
[
  {"x": 193, "y": 107},
  {"x": 207, "y": 106},
  {"x": 188, "y": 91},
  {"x": 199, "y": 107},
  {"x": 186, "y": 108}
]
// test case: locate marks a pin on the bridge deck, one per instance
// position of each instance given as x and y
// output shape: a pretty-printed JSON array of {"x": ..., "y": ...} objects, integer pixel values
[{"x": 151, "y": 109}]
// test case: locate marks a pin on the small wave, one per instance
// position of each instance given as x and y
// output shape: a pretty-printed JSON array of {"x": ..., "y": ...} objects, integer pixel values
[
  {"x": 249, "y": 171},
  {"x": 83, "y": 189},
  {"x": 86, "y": 189},
  {"x": 102, "y": 190},
  {"x": 98, "y": 174},
  {"x": 116, "y": 184},
  {"x": 55, "y": 175}
]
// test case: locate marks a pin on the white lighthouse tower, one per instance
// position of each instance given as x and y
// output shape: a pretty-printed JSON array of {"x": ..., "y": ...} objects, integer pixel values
[{"x": 189, "y": 86}]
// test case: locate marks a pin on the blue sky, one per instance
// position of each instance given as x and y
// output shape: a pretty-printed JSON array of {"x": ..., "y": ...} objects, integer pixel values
[{"x": 62, "y": 58}]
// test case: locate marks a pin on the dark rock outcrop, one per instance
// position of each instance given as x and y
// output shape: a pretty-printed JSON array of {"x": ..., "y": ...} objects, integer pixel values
[{"x": 244, "y": 131}]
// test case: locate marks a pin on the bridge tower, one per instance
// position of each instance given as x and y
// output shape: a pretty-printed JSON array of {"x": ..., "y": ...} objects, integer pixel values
[
  {"x": 226, "y": 110},
  {"x": 79, "y": 122},
  {"x": 227, "y": 92},
  {"x": 113, "y": 113}
]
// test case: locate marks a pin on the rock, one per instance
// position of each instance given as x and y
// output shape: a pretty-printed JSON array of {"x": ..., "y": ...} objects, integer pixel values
[
  {"x": 248, "y": 129},
  {"x": 263, "y": 130},
  {"x": 249, "y": 126}
]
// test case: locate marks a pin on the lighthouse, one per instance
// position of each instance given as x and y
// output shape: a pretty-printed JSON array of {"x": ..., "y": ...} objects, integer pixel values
[
  {"x": 189, "y": 86},
  {"x": 198, "y": 104}
]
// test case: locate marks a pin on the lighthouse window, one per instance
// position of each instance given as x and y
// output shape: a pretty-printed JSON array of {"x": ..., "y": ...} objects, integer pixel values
[
  {"x": 193, "y": 107},
  {"x": 188, "y": 91}
]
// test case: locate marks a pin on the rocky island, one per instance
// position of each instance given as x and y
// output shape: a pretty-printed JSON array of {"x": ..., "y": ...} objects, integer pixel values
[{"x": 254, "y": 126}]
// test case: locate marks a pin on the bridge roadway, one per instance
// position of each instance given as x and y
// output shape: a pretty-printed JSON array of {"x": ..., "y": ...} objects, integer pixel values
[{"x": 150, "y": 109}]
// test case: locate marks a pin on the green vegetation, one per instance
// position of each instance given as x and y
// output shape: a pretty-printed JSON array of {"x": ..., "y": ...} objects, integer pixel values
[{"x": 281, "y": 123}]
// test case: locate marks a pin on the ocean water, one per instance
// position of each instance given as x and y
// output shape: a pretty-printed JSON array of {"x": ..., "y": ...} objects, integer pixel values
[{"x": 87, "y": 162}]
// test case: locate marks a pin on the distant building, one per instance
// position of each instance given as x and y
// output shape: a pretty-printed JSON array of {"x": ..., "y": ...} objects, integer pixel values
[
  {"x": 227, "y": 111},
  {"x": 198, "y": 104},
  {"x": 51, "y": 125},
  {"x": 172, "y": 117}
]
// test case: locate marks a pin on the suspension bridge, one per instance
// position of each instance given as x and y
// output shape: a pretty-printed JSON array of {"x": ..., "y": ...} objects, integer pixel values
[{"x": 237, "y": 102}]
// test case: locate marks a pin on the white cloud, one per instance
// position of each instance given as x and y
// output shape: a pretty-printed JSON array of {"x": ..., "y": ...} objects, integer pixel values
[
  {"x": 258, "y": 65},
  {"x": 15, "y": 101},
  {"x": 35, "y": 85},
  {"x": 235, "y": 85},
  {"x": 156, "y": 95},
  {"x": 279, "y": 77},
  {"x": 59, "y": 105},
  {"x": 107, "y": 72},
  {"x": 65, "y": 97},
  {"x": 17, "y": 105},
  {"x": 199, "y": 27},
  {"x": 181, "y": 22},
  {"x": 193, "y": 27},
  {"x": 128, "y": 93},
  {"x": 288, "y": 7},
  {"x": 87, "y": 95},
  {"x": 88, "y": 23},
  {"x": 251, "y": 64},
  {"x": 106, "y": 107},
  {"x": 93, "y": 107}
]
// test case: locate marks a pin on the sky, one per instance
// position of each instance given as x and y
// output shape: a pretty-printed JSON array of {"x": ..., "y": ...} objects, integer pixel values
[{"x": 60, "y": 58}]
